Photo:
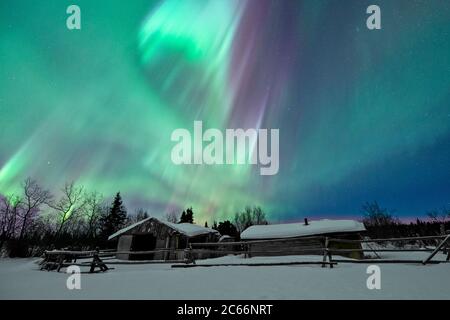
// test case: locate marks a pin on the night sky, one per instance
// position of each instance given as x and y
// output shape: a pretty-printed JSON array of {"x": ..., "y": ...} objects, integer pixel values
[{"x": 363, "y": 115}]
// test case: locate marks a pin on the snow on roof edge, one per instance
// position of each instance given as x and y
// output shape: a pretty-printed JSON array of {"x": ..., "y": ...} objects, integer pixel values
[
  {"x": 201, "y": 230},
  {"x": 291, "y": 230},
  {"x": 123, "y": 230},
  {"x": 175, "y": 226}
]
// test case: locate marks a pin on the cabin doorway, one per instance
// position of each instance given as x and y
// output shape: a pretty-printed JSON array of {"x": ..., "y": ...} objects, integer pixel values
[{"x": 143, "y": 242}]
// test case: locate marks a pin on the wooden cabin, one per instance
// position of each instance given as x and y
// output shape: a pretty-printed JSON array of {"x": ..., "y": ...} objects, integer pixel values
[
  {"x": 291, "y": 238},
  {"x": 153, "y": 234}
]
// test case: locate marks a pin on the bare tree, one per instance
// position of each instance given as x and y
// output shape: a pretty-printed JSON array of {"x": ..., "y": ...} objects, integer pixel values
[
  {"x": 93, "y": 210},
  {"x": 249, "y": 217},
  {"x": 10, "y": 206},
  {"x": 172, "y": 217},
  {"x": 139, "y": 215},
  {"x": 439, "y": 216},
  {"x": 5, "y": 217},
  {"x": 33, "y": 198},
  {"x": 375, "y": 216},
  {"x": 433, "y": 215},
  {"x": 259, "y": 216},
  {"x": 242, "y": 220},
  {"x": 68, "y": 206},
  {"x": 43, "y": 226}
]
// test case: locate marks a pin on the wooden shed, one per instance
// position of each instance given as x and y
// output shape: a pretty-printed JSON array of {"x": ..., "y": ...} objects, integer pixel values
[
  {"x": 291, "y": 238},
  {"x": 153, "y": 234}
]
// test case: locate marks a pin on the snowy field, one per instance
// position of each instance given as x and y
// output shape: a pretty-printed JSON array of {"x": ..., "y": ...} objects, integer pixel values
[{"x": 21, "y": 279}]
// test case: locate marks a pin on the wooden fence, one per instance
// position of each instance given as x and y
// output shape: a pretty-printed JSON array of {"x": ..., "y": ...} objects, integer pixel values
[
  {"x": 442, "y": 246},
  {"x": 57, "y": 259}
]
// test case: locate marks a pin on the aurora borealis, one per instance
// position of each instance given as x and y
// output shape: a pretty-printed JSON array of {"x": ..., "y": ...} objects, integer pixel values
[{"x": 363, "y": 115}]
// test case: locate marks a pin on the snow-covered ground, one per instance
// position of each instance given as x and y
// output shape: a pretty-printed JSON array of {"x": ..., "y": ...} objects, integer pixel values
[{"x": 21, "y": 279}]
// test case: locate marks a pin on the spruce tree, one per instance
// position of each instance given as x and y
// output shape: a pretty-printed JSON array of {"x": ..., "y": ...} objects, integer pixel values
[
  {"x": 227, "y": 228},
  {"x": 183, "y": 217},
  {"x": 187, "y": 216},
  {"x": 115, "y": 219}
]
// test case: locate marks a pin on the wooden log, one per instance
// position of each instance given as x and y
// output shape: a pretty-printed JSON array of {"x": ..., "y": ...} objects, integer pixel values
[
  {"x": 149, "y": 252},
  {"x": 58, "y": 252},
  {"x": 252, "y": 264},
  {"x": 438, "y": 248},
  {"x": 370, "y": 246},
  {"x": 282, "y": 240},
  {"x": 376, "y": 261},
  {"x": 65, "y": 264},
  {"x": 386, "y": 239},
  {"x": 131, "y": 262},
  {"x": 381, "y": 250},
  {"x": 247, "y": 253},
  {"x": 89, "y": 254}
]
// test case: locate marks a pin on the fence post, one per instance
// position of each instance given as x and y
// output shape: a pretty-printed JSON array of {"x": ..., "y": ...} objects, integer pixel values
[
  {"x": 189, "y": 255},
  {"x": 60, "y": 261},
  {"x": 325, "y": 252},
  {"x": 97, "y": 262},
  {"x": 43, "y": 263},
  {"x": 93, "y": 262},
  {"x": 438, "y": 248},
  {"x": 330, "y": 258}
]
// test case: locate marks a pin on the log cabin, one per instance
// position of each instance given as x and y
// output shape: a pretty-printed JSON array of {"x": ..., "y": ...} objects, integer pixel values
[
  {"x": 292, "y": 238},
  {"x": 153, "y": 234}
]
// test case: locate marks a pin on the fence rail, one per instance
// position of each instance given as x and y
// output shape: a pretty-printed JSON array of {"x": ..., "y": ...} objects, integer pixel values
[
  {"x": 218, "y": 244},
  {"x": 388, "y": 239},
  {"x": 380, "y": 250}
]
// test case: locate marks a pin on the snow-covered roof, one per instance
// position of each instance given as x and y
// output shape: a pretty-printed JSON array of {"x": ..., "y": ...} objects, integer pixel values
[
  {"x": 188, "y": 229},
  {"x": 224, "y": 237},
  {"x": 121, "y": 231},
  {"x": 290, "y": 230}
]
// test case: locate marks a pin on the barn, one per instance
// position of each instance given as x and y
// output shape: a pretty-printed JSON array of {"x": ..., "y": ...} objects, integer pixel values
[
  {"x": 290, "y": 238},
  {"x": 153, "y": 234}
]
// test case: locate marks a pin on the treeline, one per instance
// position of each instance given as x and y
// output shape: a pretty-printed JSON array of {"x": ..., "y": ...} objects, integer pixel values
[
  {"x": 381, "y": 223},
  {"x": 34, "y": 220},
  {"x": 241, "y": 221}
]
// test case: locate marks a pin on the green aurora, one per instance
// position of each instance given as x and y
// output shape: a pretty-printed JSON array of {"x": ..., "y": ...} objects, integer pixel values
[{"x": 363, "y": 115}]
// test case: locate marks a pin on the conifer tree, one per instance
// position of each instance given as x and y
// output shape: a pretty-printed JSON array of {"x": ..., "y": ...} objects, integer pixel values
[{"x": 115, "y": 218}]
